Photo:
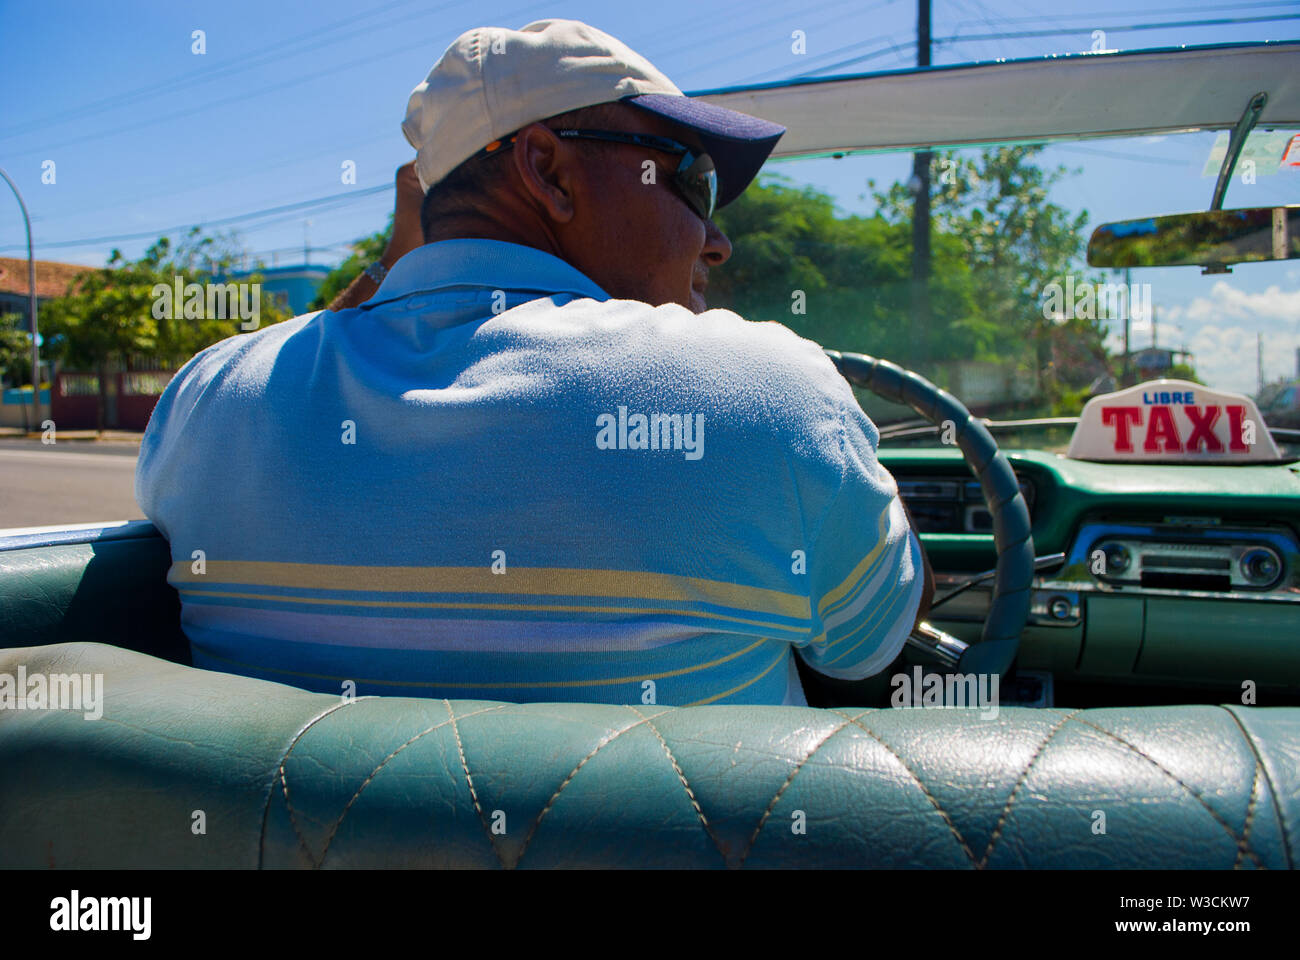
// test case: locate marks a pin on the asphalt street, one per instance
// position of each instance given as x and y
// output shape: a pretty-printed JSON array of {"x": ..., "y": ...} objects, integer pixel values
[{"x": 66, "y": 482}]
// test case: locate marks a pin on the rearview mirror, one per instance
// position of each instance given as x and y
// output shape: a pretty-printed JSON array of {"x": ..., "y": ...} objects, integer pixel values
[{"x": 1211, "y": 239}]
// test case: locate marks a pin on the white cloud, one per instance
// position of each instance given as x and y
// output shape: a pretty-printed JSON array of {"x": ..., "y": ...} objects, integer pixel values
[
  {"x": 1220, "y": 330},
  {"x": 1275, "y": 308},
  {"x": 1226, "y": 356}
]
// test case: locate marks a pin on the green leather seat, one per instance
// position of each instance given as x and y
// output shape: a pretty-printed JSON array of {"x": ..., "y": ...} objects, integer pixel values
[
  {"x": 286, "y": 778},
  {"x": 108, "y": 586}
]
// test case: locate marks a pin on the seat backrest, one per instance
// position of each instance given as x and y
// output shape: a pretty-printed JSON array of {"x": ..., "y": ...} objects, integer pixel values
[
  {"x": 107, "y": 585},
  {"x": 278, "y": 777}
]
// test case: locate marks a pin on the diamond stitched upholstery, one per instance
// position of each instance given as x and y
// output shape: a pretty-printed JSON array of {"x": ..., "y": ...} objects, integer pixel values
[{"x": 287, "y": 778}]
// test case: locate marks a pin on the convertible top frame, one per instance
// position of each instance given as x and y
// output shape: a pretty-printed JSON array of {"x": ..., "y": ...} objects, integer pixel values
[{"x": 1043, "y": 99}]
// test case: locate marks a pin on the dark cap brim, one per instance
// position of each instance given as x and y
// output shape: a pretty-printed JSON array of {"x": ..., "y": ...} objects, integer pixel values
[{"x": 737, "y": 142}]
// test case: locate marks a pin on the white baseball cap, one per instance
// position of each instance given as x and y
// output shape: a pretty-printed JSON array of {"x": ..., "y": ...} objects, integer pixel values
[{"x": 493, "y": 81}]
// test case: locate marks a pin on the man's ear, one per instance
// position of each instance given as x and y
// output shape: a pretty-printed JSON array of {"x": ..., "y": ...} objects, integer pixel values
[{"x": 545, "y": 166}]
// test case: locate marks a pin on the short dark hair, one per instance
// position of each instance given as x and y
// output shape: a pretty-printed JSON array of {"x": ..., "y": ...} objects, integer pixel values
[{"x": 464, "y": 190}]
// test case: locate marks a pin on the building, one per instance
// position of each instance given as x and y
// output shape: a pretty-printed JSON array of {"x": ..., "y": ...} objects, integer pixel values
[
  {"x": 294, "y": 287},
  {"x": 1152, "y": 363},
  {"x": 52, "y": 280}
]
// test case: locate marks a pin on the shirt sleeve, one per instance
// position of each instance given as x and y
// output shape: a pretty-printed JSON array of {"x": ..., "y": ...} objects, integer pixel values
[{"x": 865, "y": 567}]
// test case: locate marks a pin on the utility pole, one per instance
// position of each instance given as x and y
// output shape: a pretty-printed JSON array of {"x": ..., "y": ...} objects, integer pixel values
[
  {"x": 921, "y": 205},
  {"x": 1128, "y": 324},
  {"x": 31, "y": 300}
]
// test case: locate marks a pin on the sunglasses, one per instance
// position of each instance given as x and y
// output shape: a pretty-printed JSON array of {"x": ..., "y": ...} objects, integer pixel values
[{"x": 695, "y": 178}]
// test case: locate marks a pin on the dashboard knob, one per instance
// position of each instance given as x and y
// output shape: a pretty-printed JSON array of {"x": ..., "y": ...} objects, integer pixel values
[
  {"x": 1260, "y": 566},
  {"x": 1118, "y": 559},
  {"x": 1060, "y": 608}
]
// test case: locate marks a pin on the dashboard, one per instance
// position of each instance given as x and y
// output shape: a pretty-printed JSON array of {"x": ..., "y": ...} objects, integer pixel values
[{"x": 1186, "y": 575}]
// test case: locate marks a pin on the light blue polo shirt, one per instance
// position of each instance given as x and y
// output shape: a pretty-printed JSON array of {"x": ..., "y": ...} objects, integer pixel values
[{"x": 493, "y": 481}]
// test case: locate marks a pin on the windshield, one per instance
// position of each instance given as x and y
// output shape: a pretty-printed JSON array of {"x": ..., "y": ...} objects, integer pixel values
[{"x": 1011, "y": 319}]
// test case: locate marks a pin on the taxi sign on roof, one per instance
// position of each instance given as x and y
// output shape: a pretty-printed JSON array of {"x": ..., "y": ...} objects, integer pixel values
[{"x": 1172, "y": 421}]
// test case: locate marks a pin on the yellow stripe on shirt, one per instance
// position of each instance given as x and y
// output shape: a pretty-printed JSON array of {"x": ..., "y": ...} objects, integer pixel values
[
  {"x": 862, "y": 570},
  {"x": 527, "y": 581},
  {"x": 450, "y": 605}
]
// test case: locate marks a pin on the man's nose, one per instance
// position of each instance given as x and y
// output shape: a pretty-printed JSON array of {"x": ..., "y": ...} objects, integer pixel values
[{"x": 717, "y": 248}]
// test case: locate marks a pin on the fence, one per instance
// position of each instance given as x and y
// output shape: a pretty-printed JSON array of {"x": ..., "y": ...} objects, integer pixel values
[{"x": 129, "y": 399}]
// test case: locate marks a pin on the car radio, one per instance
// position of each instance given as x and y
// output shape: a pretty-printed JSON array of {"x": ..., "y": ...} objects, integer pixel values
[{"x": 1173, "y": 557}]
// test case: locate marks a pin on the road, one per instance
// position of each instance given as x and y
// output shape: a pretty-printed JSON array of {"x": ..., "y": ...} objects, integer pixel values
[{"x": 66, "y": 482}]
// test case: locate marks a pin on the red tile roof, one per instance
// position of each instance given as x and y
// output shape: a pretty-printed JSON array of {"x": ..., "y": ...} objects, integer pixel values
[{"x": 52, "y": 277}]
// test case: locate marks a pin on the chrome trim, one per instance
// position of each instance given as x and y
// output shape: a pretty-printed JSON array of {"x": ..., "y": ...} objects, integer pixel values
[
  {"x": 1077, "y": 575},
  {"x": 1055, "y": 608},
  {"x": 1242, "y": 596},
  {"x": 24, "y": 538},
  {"x": 932, "y": 641}
]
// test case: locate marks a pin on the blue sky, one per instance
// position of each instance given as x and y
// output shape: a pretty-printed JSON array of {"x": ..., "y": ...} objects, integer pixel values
[{"x": 146, "y": 135}]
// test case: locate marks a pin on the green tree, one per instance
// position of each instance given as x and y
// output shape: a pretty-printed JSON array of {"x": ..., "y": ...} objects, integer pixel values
[
  {"x": 15, "y": 350},
  {"x": 104, "y": 317},
  {"x": 1183, "y": 371},
  {"x": 1016, "y": 241},
  {"x": 109, "y": 314},
  {"x": 841, "y": 281}
]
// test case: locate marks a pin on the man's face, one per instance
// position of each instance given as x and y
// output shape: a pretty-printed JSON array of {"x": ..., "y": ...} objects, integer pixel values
[{"x": 640, "y": 240}]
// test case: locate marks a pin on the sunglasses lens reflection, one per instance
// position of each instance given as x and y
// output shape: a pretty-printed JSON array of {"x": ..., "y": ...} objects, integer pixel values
[{"x": 699, "y": 184}]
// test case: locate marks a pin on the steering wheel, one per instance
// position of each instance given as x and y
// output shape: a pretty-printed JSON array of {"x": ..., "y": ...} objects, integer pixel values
[{"x": 1009, "y": 608}]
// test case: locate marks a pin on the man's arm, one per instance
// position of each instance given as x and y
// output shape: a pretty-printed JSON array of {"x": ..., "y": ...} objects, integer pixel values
[
  {"x": 871, "y": 583},
  {"x": 407, "y": 235},
  {"x": 927, "y": 591}
]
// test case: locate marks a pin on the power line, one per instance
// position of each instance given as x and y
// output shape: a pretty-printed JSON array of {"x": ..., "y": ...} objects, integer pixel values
[
  {"x": 1148, "y": 11},
  {"x": 1124, "y": 28},
  {"x": 191, "y": 110},
  {"x": 235, "y": 98},
  {"x": 878, "y": 52},
  {"x": 785, "y": 17},
  {"x": 303, "y": 156},
  {"x": 987, "y": 16},
  {"x": 331, "y": 200},
  {"x": 1119, "y": 28},
  {"x": 250, "y": 61}
]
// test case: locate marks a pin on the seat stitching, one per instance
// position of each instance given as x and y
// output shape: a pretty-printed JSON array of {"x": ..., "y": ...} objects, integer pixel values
[
  {"x": 1272, "y": 787},
  {"x": 569, "y": 779},
  {"x": 460, "y": 748},
  {"x": 1024, "y": 775},
  {"x": 788, "y": 780},
  {"x": 952, "y": 827},
  {"x": 1199, "y": 799},
  {"x": 685, "y": 784},
  {"x": 382, "y": 763},
  {"x": 270, "y": 787},
  {"x": 1250, "y": 814}
]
